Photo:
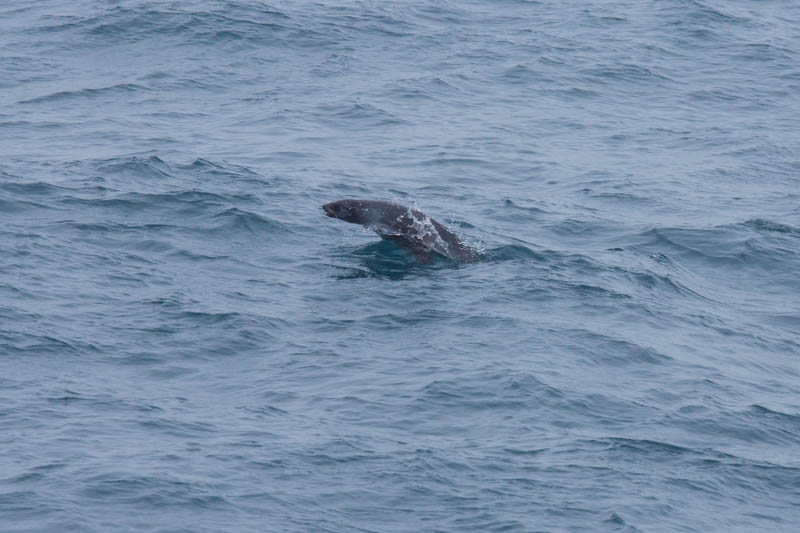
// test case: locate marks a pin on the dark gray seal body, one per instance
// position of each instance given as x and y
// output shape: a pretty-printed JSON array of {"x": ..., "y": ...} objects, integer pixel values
[{"x": 414, "y": 231}]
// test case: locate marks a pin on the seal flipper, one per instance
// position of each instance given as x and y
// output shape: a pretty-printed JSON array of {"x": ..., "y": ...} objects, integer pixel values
[{"x": 421, "y": 254}]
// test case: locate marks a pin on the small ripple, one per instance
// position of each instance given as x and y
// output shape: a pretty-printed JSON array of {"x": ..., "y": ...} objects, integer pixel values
[
  {"x": 237, "y": 220},
  {"x": 622, "y": 72},
  {"x": 606, "y": 351},
  {"x": 141, "y": 167},
  {"x": 35, "y": 188},
  {"x": 365, "y": 115},
  {"x": 767, "y": 225},
  {"x": 521, "y": 74},
  {"x": 113, "y": 90},
  {"x": 515, "y": 252},
  {"x": 533, "y": 210},
  {"x": 490, "y": 392},
  {"x": 156, "y": 491}
]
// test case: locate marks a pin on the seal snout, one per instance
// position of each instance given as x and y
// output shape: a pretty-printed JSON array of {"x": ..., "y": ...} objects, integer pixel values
[{"x": 328, "y": 208}]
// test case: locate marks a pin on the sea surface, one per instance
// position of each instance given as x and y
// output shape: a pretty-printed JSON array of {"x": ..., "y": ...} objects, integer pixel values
[{"x": 187, "y": 344}]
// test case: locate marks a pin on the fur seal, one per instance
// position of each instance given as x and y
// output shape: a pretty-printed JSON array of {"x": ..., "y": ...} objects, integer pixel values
[{"x": 414, "y": 231}]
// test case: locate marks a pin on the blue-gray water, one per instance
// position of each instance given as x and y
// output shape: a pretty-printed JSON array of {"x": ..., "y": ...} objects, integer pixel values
[{"x": 188, "y": 344}]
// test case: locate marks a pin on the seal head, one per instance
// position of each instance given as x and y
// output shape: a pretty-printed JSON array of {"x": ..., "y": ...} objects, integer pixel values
[{"x": 352, "y": 211}]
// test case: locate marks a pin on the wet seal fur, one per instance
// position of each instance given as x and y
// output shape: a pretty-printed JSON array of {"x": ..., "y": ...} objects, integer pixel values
[{"x": 412, "y": 230}]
